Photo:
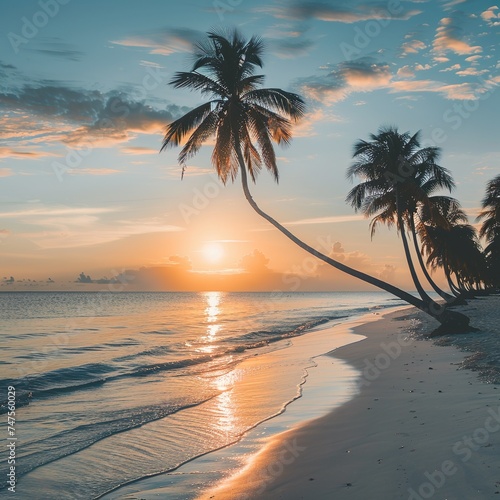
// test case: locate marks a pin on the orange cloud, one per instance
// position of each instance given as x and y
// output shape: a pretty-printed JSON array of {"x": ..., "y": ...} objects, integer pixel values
[
  {"x": 462, "y": 91},
  {"x": 449, "y": 39},
  {"x": 6, "y": 172},
  {"x": 491, "y": 17},
  {"x": 139, "y": 150},
  {"x": 34, "y": 154}
]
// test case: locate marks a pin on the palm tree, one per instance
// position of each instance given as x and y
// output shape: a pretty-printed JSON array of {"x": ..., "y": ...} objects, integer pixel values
[
  {"x": 398, "y": 179},
  {"x": 452, "y": 244},
  {"x": 440, "y": 213},
  {"x": 245, "y": 120},
  {"x": 490, "y": 229}
]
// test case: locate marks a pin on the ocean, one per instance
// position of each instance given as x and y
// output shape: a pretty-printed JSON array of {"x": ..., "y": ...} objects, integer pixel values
[{"x": 114, "y": 387}]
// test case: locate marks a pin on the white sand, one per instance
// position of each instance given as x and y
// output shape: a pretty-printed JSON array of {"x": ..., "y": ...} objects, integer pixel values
[{"x": 419, "y": 428}]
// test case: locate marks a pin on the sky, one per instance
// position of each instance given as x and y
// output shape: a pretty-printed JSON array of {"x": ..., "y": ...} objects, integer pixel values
[{"x": 87, "y": 201}]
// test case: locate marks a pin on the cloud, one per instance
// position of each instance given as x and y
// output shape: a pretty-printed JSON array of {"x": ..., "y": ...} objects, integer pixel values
[
  {"x": 462, "y": 91},
  {"x": 357, "y": 260},
  {"x": 491, "y": 17},
  {"x": 72, "y": 227},
  {"x": 306, "y": 126},
  {"x": 56, "y": 211},
  {"x": 449, "y": 4},
  {"x": 412, "y": 47},
  {"x": 78, "y": 117},
  {"x": 165, "y": 41},
  {"x": 472, "y": 72},
  {"x": 450, "y": 38},
  {"x": 360, "y": 75},
  {"x": 335, "y": 219},
  {"x": 55, "y": 47},
  {"x": 341, "y": 11},
  {"x": 290, "y": 49},
  {"x": 33, "y": 154},
  {"x": 255, "y": 262},
  {"x": 92, "y": 171},
  {"x": 139, "y": 150},
  {"x": 420, "y": 67},
  {"x": 406, "y": 72},
  {"x": 6, "y": 172},
  {"x": 455, "y": 67}
]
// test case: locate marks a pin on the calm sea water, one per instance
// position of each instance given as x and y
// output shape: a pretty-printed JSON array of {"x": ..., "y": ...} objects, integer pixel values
[{"x": 112, "y": 387}]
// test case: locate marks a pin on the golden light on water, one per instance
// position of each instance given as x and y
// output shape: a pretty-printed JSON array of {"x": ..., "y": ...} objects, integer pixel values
[
  {"x": 226, "y": 406},
  {"x": 212, "y": 311}
]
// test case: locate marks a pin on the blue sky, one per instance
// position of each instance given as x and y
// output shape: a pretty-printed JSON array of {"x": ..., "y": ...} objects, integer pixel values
[{"x": 84, "y": 98}]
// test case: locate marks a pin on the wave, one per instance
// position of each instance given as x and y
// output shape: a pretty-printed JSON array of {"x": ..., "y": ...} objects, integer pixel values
[
  {"x": 88, "y": 376},
  {"x": 71, "y": 441}
]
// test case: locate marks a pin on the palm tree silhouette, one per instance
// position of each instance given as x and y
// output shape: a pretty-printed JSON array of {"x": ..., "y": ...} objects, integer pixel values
[
  {"x": 490, "y": 229},
  {"x": 398, "y": 179},
  {"x": 451, "y": 243},
  {"x": 245, "y": 121}
]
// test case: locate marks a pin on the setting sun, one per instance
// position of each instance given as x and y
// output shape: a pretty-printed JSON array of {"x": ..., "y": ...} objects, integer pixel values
[{"x": 213, "y": 252}]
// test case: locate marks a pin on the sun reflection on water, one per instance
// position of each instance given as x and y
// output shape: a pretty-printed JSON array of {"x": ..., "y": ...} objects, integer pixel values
[
  {"x": 212, "y": 312},
  {"x": 227, "y": 421}
]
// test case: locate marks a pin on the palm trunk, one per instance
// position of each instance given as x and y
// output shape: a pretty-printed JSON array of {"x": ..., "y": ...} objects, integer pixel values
[
  {"x": 451, "y": 321},
  {"x": 452, "y": 285},
  {"x": 409, "y": 260},
  {"x": 442, "y": 293}
]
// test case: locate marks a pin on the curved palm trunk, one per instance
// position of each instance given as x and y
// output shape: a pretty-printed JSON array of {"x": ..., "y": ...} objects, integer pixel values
[
  {"x": 413, "y": 272},
  {"x": 451, "y": 321},
  {"x": 452, "y": 285},
  {"x": 442, "y": 293}
]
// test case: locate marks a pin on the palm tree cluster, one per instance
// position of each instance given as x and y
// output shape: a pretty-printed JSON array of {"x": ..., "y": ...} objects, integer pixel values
[
  {"x": 246, "y": 120},
  {"x": 490, "y": 230},
  {"x": 399, "y": 180}
]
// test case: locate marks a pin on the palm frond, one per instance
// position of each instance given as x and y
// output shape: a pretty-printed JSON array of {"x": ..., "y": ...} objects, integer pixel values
[
  {"x": 176, "y": 130},
  {"x": 292, "y": 105}
]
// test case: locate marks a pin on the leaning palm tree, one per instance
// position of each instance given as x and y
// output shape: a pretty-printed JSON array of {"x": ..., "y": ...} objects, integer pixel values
[
  {"x": 245, "y": 120},
  {"x": 397, "y": 179},
  {"x": 490, "y": 229}
]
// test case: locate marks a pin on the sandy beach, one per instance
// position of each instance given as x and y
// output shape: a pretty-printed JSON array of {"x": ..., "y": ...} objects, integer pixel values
[{"x": 419, "y": 427}]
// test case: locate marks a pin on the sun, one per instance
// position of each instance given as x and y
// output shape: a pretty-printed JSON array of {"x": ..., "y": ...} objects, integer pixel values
[{"x": 213, "y": 252}]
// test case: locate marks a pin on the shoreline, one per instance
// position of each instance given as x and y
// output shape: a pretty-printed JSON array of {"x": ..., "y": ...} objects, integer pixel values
[
  {"x": 418, "y": 428},
  {"x": 327, "y": 383}
]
